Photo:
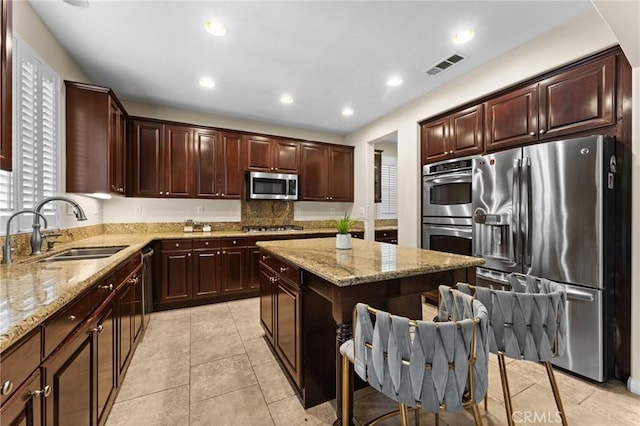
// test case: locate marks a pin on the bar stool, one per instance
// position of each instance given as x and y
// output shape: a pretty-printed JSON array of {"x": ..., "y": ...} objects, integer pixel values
[
  {"x": 527, "y": 323},
  {"x": 421, "y": 364}
]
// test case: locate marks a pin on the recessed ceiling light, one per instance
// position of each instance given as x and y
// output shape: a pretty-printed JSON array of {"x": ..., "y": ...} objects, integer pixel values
[
  {"x": 286, "y": 99},
  {"x": 215, "y": 28},
  {"x": 78, "y": 3},
  {"x": 463, "y": 36},
  {"x": 207, "y": 83},
  {"x": 347, "y": 111},
  {"x": 394, "y": 81}
]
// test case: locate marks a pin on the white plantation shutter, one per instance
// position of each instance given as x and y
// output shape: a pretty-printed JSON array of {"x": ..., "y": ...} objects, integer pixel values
[
  {"x": 36, "y": 139},
  {"x": 388, "y": 208}
]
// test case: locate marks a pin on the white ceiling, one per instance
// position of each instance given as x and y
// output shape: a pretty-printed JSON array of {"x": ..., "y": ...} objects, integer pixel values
[{"x": 327, "y": 55}]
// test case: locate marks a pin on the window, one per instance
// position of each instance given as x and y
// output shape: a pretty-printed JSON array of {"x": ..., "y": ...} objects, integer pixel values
[
  {"x": 388, "y": 208},
  {"x": 36, "y": 138}
]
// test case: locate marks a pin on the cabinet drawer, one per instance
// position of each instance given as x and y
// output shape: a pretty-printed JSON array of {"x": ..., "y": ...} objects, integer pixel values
[
  {"x": 206, "y": 243},
  {"x": 292, "y": 273},
  {"x": 387, "y": 234},
  {"x": 18, "y": 362},
  {"x": 233, "y": 242},
  {"x": 59, "y": 326},
  {"x": 177, "y": 244}
]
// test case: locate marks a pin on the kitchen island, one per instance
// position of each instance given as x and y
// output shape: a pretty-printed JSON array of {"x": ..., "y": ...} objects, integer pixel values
[{"x": 308, "y": 290}]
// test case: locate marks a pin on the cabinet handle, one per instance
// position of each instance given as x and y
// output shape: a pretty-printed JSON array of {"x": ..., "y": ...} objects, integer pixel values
[
  {"x": 273, "y": 279},
  {"x": 7, "y": 387},
  {"x": 189, "y": 254},
  {"x": 234, "y": 242},
  {"x": 71, "y": 317},
  {"x": 135, "y": 280},
  {"x": 542, "y": 131},
  {"x": 206, "y": 243},
  {"x": 106, "y": 287},
  {"x": 224, "y": 252},
  {"x": 265, "y": 257},
  {"x": 451, "y": 152},
  {"x": 161, "y": 193},
  {"x": 276, "y": 168},
  {"x": 217, "y": 194},
  {"x": 283, "y": 270},
  {"x": 167, "y": 193},
  {"x": 222, "y": 195},
  {"x": 177, "y": 244},
  {"x": 218, "y": 253},
  {"x": 532, "y": 133},
  {"x": 46, "y": 391},
  {"x": 121, "y": 189},
  {"x": 99, "y": 329}
]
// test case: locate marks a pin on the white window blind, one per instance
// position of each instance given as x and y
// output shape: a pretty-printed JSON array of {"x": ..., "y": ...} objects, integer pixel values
[
  {"x": 36, "y": 136},
  {"x": 388, "y": 208}
]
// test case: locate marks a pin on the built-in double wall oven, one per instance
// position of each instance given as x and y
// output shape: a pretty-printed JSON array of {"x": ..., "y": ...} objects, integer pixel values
[{"x": 446, "y": 206}]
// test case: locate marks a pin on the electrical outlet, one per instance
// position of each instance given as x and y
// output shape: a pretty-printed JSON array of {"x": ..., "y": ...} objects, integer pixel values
[
  {"x": 200, "y": 210},
  {"x": 332, "y": 211},
  {"x": 137, "y": 210},
  {"x": 362, "y": 213}
]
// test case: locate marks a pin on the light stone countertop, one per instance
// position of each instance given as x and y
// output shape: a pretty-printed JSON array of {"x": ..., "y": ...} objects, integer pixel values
[
  {"x": 366, "y": 261},
  {"x": 32, "y": 292}
]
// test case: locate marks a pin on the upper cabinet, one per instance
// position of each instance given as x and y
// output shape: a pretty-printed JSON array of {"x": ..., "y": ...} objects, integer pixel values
[
  {"x": 579, "y": 99},
  {"x": 326, "y": 172},
  {"x": 5, "y": 84},
  {"x": 219, "y": 164},
  {"x": 455, "y": 135},
  {"x": 272, "y": 154},
  {"x": 96, "y": 137},
  {"x": 161, "y": 159}
]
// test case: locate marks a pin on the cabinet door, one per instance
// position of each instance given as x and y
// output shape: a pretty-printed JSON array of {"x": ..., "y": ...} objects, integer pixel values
[
  {"x": 176, "y": 275},
  {"x": 314, "y": 166},
  {"x": 286, "y": 156},
  {"x": 434, "y": 140},
  {"x": 287, "y": 337},
  {"x": 259, "y": 155},
  {"x": 466, "y": 131},
  {"x": 69, "y": 373},
  {"x": 124, "y": 301},
  {"x": 340, "y": 174},
  {"x": 148, "y": 159},
  {"x": 6, "y": 73},
  {"x": 512, "y": 119},
  {"x": 231, "y": 167},
  {"x": 107, "y": 372},
  {"x": 252, "y": 261},
  {"x": 231, "y": 270},
  {"x": 24, "y": 408},
  {"x": 578, "y": 100},
  {"x": 205, "y": 273},
  {"x": 177, "y": 161},
  {"x": 136, "y": 283},
  {"x": 205, "y": 158},
  {"x": 267, "y": 301},
  {"x": 117, "y": 148}
]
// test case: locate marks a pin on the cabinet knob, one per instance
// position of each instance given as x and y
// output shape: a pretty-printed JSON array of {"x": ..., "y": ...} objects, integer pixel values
[
  {"x": 283, "y": 270},
  {"x": 133, "y": 280},
  {"x": 189, "y": 254},
  {"x": 234, "y": 242},
  {"x": 106, "y": 287},
  {"x": 224, "y": 252},
  {"x": 542, "y": 131},
  {"x": 451, "y": 152},
  {"x": 276, "y": 168},
  {"x": 7, "y": 387},
  {"x": 71, "y": 317},
  {"x": 98, "y": 329},
  {"x": 121, "y": 189},
  {"x": 161, "y": 192},
  {"x": 265, "y": 257},
  {"x": 206, "y": 243},
  {"x": 167, "y": 193},
  {"x": 222, "y": 195},
  {"x": 217, "y": 194},
  {"x": 46, "y": 391},
  {"x": 177, "y": 244},
  {"x": 532, "y": 133},
  {"x": 218, "y": 253}
]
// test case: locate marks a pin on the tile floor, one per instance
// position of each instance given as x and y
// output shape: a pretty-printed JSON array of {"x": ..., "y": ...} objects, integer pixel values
[{"x": 209, "y": 365}]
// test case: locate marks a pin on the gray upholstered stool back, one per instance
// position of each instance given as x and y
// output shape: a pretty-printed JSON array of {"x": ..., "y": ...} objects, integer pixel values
[
  {"x": 423, "y": 363},
  {"x": 528, "y": 322}
]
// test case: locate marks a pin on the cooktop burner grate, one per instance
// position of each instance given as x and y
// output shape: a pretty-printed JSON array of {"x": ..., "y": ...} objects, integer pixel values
[{"x": 272, "y": 228}]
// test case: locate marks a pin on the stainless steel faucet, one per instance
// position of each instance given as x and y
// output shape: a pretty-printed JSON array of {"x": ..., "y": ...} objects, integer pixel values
[
  {"x": 6, "y": 250},
  {"x": 36, "y": 236}
]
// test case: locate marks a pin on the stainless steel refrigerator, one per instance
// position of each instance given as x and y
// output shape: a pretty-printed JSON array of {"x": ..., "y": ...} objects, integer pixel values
[{"x": 548, "y": 210}]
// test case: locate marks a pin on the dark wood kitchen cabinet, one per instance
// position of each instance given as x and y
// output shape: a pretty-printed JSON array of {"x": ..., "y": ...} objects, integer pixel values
[
  {"x": 106, "y": 373},
  {"x": 265, "y": 154},
  {"x": 455, "y": 135},
  {"x": 252, "y": 268},
  {"x": 326, "y": 172},
  {"x": 219, "y": 164},
  {"x": 387, "y": 236},
  {"x": 96, "y": 140},
  {"x": 205, "y": 268},
  {"x": 176, "y": 271},
  {"x": 579, "y": 99},
  {"x": 6, "y": 77},
  {"x": 231, "y": 266},
  {"x": 161, "y": 159},
  {"x": 24, "y": 408}
]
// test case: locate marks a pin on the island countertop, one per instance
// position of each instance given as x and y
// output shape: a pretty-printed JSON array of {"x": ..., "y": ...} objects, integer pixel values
[{"x": 366, "y": 261}]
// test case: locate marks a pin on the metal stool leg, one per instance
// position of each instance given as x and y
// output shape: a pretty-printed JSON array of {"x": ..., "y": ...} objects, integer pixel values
[
  {"x": 486, "y": 401},
  {"x": 404, "y": 414},
  {"x": 476, "y": 414},
  {"x": 437, "y": 419},
  {"x": 417, "y": 416},
  {"x": 556, "y": 392},
  {"x": 505, "y": 389},
  {"x": 345, "y": 391}
]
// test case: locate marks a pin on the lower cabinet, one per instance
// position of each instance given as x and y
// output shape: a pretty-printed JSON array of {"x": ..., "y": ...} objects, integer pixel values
[
  {"x": 390, "y": 237},
  {"x": 24, "y": 408},
  {"x": 106, "y": 374}
]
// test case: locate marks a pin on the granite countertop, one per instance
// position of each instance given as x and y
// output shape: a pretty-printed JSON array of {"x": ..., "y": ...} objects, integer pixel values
[
  {"x": 30, "y": 292},
  {"x": 367, "y": 261}
]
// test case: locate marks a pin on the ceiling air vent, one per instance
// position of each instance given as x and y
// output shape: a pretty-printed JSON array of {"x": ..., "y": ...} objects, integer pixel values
[{"x": 445, "y": 64}]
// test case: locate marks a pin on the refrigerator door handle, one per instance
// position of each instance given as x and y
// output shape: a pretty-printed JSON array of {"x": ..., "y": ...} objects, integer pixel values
[
  {"x": 515, "y": 215},
  {"x": 579, "y": 295},
  {"x": 526, "y": 210}
]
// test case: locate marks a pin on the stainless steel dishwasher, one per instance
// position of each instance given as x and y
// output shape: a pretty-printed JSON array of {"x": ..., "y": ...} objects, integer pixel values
[{"x": 147, "y": 277}]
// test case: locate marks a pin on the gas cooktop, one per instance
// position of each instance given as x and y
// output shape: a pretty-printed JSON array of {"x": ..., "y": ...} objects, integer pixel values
[{"x": 272, "y": 228}]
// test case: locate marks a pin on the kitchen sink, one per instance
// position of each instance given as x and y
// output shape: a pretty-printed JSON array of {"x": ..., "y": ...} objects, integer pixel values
[{"x": 83, "y": 253}]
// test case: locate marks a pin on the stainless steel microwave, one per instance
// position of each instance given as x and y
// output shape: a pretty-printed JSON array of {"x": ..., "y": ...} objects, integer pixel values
[{"x": 271, "y": 186}]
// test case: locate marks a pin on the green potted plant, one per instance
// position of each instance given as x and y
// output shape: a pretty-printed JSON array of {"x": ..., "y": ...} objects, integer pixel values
[{"x": 343, "y": 237}]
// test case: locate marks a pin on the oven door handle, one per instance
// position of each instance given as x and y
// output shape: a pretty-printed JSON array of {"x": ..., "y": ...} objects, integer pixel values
[
  {"x": 451, "y": 231},
  {"x": 459, "y": 177}
]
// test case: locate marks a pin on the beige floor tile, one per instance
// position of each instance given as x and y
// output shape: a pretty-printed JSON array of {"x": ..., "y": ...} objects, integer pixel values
[
  {"x": 166, "y": 331},
  {"x": 244, "y": 407},
  {"x": 517, "y": 382},
  {"x": 153, "y": 376},
  {"x": 289, "y": 411},
  {"x": 215, "y": 347},
  {"x": 159, "y": 346},
  {"x": 219, "y": 377},
  {"x": 209, "y": 313},
  {"x": 250, "y": 329},
  {"x": 166, "y": 408},
  {"x": 245, "y": 305},
  {"x": 258, "y": 351},
  {"x": 170, "y": 316},
  {"x": 373, "y": 405},
  {"x": 494, "y": 415},
  {"x": 623, "y": 407},
  {"x": 210, "y": 329},
  {"x": 273, "y": 383}
]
